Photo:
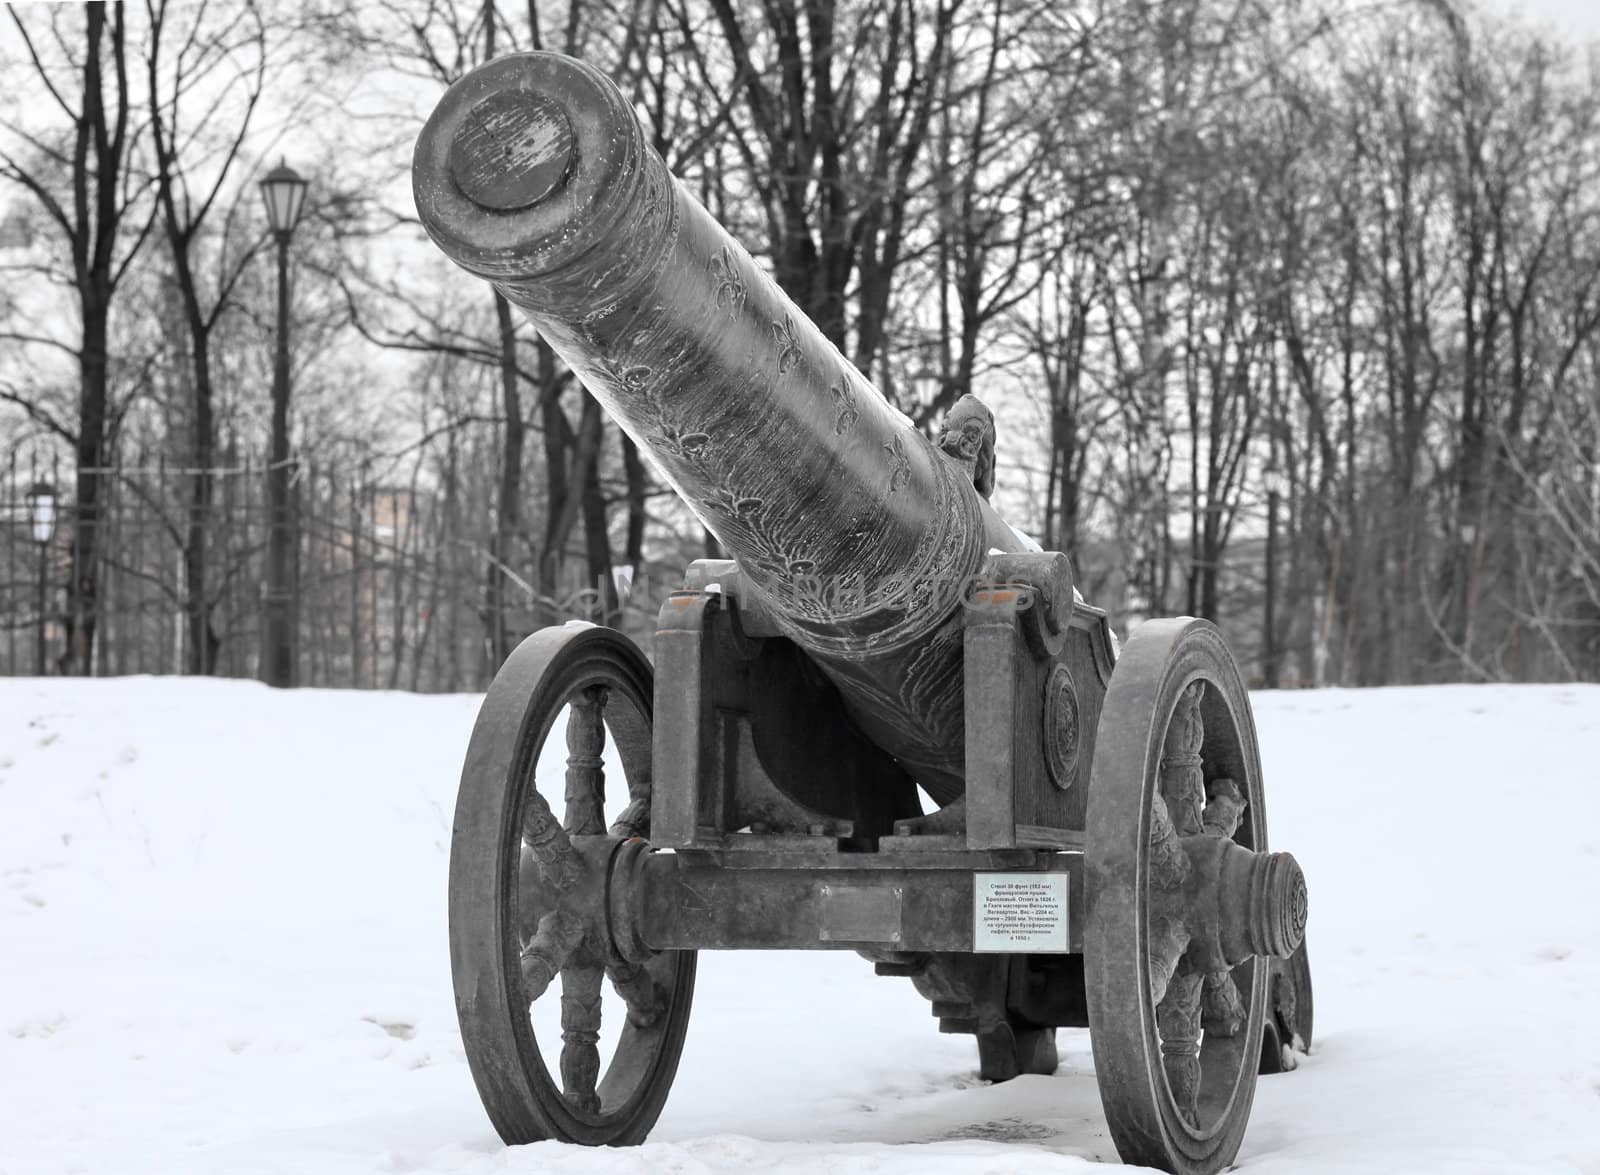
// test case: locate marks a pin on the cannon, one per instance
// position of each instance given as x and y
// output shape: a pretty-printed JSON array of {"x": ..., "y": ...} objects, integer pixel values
[{"x": 1097, "y": 852}]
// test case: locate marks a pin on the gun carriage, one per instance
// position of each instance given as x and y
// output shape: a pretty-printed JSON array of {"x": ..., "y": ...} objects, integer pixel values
[{"x": 1098, "y": 856}]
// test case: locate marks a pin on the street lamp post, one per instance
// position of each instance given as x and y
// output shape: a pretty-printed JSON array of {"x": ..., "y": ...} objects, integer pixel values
[
  {"x": 926, "y": 383},
  {"x": 284, "y": 193},
  {"x": 42, "y": 517},
  {"x": 1272, "y": 476}
]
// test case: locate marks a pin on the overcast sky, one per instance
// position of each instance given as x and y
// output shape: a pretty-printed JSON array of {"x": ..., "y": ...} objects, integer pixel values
[{"x": 1576, "y": 20}]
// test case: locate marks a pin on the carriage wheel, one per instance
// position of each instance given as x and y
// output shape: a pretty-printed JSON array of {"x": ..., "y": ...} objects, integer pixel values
[
  {"x": 1185, "y": 908},
  {"x": 528, "y": 899}
]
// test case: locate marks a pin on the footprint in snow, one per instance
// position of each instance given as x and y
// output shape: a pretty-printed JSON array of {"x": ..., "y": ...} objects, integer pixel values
[
  {"x": 956, "y": 1081},
  {"x": 399, "y": 1029},
  {"x": 1001, "y": 1130},
  {"x": 38, "y": 1027}
]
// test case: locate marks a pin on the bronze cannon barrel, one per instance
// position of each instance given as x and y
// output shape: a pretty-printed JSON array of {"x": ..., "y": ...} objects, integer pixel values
[{"x": 851, "y": 529}]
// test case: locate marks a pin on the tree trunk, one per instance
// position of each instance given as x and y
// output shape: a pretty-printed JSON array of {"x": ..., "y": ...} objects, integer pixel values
[
  {"x": 508, "y": 512},
  {"x": 556, "y": 433},
  {"x": 83, "y": 605}
]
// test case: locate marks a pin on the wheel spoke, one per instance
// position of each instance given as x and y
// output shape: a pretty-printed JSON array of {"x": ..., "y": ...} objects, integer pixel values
[
  {"x": 1169, "y": 864},
  {"x": 1180, "y": 810},
  {"x": 1182, "y": 778},
  {"x": 1222, "y": 1012},
  {"x": 586, "y": 740},
  {"x": 549, "y": 843},
  {"x": 580, "y": 1035},
  {"x": 1178, "y": 1020},
  {"x": 646, "y": 999},
  {"x": 628, "y": 729},
  {"x": 1285, "y": 1007},
  {"x": 1169, "y": 938},
  {"x": 1224, "y": 807},
  {"x": 547, "y": 951},
  {"x": 634, "y": 820}
]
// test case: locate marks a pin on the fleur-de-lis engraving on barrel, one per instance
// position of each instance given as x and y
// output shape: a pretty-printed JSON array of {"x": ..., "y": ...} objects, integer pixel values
[
  {"x": 630, "y": 377},
  {"x": 726, "y": 499},
  {"x": 899, "y": 464},
  {"x": 844, "y": 404},
  {"x": 730, "y": 286},
  {"x": 783, "y": 335},
  {"x": 689, "y": 445}
]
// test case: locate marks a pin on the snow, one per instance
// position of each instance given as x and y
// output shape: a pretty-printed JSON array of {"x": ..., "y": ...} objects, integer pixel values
[{"x": 222, "y": 932}]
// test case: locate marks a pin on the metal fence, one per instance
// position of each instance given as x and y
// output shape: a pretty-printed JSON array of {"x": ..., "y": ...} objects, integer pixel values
[{"x": 392, "y": 580}]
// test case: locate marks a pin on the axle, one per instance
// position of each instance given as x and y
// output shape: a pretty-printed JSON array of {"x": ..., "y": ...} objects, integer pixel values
[{"x": 1236, "y": 903}]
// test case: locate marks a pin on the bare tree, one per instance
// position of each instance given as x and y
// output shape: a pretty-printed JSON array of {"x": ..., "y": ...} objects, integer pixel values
[
  {"x": 205, "y": 67},
  {"x": 94, "y": 202}
]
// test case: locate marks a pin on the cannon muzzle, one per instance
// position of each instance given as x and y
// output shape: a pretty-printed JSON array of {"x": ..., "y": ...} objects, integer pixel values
[{"x": 851, "y": 529}]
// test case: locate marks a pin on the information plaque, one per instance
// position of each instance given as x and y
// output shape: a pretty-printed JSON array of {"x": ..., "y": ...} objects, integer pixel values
[{"x": 1019, "y": 913}]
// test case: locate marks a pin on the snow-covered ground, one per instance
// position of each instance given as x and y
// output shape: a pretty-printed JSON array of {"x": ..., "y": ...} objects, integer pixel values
[{"x": 222, "y": 949}]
